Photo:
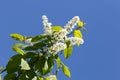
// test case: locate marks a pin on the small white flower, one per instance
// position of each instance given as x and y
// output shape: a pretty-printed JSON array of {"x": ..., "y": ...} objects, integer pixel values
[
  {"x": 59, "y": 36},
  {"x": 44, "y": 17},
  {"x": 75, "y": 40},
  {"x": 52, "y": 77},
  {"x": 63, "y": 32},
  {"x": 28, "y": 41},
  {"x": 72, "y": 23},
  {"x": 59, "y": 46},
  {"x": 47, "y": 25},
  {"x": 48, "y": 31}
]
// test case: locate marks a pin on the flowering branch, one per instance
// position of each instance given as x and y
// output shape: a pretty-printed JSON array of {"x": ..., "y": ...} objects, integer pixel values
[{"x": 38, "y": 54}]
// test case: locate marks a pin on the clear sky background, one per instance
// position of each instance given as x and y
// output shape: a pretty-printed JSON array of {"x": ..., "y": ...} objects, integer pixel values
[{"x": 97, "y": 59}]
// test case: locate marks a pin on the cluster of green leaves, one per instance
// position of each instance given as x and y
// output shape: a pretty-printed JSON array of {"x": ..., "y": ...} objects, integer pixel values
[{"x": 32, "y": 62}]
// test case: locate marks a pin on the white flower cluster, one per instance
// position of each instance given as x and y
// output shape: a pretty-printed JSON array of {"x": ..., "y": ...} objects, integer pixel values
[
  {"x": 47, "y": 25},
  {"x": 60, "y": 37},
  {"x": 75, "y": 40},
  {"x": 52, "y": 77},
  {"x": 59, "y": 46},
  {"x": 72, "y": 23}
]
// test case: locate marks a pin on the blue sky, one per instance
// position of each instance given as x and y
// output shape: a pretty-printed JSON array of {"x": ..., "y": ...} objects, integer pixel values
[{"x": 97, "y": 59}]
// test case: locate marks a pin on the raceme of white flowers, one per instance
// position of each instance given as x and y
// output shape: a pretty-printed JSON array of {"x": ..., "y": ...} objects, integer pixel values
[
  {"x": 72, "y": 23},
  {"x": 59, "y": 46},
  {"x": 47, "y": 25},
  {"x": 60, "y": 37}
]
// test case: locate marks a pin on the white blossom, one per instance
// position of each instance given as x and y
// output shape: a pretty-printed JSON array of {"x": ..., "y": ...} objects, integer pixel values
[
  {"x": 47, "y": 25},
  {"x": 72, "y": 23},
  {"x": 52, "y": 77},
  {"x": 59, "y": 46},
  {"x": 75, "y": 40},
  {"x": 59, "y": 36},
  {"x": 28, "y": 41}
]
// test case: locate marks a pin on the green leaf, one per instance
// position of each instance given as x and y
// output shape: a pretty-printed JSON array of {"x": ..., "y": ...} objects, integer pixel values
[
  {"x": 40, "y": 45},
  {"x": 27, "y": 75},
  {"x": 68, "y": 52},
  {"x": 80, "y": 24},
  {"x": 29, "y": 54},
  {"x": 41, "y": 78},
  {"x": 31, "y": 73},
  {"x": 56, "y": 28},
  {"x": 30, "y": 48},
  {"x": 13, "y": 63},
  {"x": 40, "y": 37},
  {"x": 47, "y": 78},
  {"x": 50, "y": 78},
  {"x": 45, "y": 65},
  {"x": 18, "y": 45},
  {"x": 18, "y": 50},
  {"x": 77, "y": 33},
  {"x": 37, "y": 46},
  {"x": 58, "y": 62},
  {"x": 18, "y": 37},
  {"x": 67, "y": 43},
  {"x": 23, "y": 76},
  {"x": 40, "y": 65},
  {"x": 11, "y": 76},
  {"x": 50, "y": 64},
  {"x": 0, "y": 77},
  {"x": 66, "y": 70},
  {"x": 24, "y": 65}
]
